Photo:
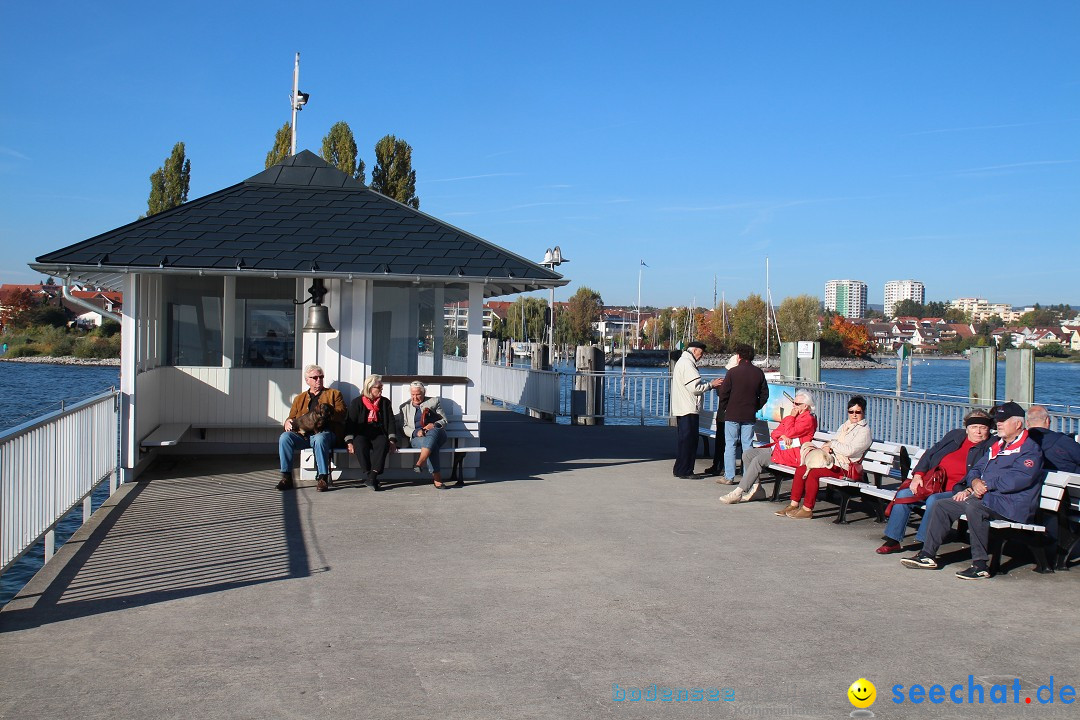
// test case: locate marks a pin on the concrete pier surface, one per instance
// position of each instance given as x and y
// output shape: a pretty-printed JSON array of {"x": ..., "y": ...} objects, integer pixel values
[{"x": 579, "y": 572}]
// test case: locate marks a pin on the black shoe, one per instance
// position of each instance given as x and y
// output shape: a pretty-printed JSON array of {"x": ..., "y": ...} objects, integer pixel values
[
  {"x": 321, "y": 483},
  {"x": 695, "y": 476},
  {"x": 974, "y": 573},
  {"x": 713, "y": 470},
  {"x": 285, "y": 483},
  {"x": 375, "y": 483}
]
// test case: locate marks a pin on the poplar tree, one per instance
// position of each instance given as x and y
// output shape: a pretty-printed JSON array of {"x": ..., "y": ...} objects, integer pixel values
[
  {"x": 339, "y": 149},
  {"x": 282, "y": 145},
  {"x": 393, "y": 175},
  {"x": 169, "y": 183}
]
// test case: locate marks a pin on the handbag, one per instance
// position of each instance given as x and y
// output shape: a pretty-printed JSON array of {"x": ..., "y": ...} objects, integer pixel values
[{"x": 933, "y": 482}]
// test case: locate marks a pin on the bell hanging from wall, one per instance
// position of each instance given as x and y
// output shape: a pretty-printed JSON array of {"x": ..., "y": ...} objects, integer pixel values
[{"x": 318, "y": 320}]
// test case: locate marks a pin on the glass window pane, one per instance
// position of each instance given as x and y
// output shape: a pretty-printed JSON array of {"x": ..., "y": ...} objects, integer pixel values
[
  {"x": 265, "y": 323},
  {"x": 193, "y": 311}
]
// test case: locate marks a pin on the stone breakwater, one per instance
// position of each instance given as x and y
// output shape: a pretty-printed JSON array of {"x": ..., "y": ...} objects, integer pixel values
[{"x": 67, "y": 360}]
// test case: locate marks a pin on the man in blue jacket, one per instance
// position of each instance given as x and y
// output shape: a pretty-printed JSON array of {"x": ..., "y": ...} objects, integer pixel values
[
  {"x": 1060, "y": 452},
  {"x": 1003, "y": 486}
]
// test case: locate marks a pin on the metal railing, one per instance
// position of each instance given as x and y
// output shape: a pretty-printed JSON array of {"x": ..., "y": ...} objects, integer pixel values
[
  {"x": 642, "y": 398},
  {"x": 533, "y": 389},
  {"x": 50, "y": 465}
]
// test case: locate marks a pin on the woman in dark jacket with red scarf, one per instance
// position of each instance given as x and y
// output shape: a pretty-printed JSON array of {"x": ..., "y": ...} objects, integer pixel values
[{"x": 371, "y": 430}]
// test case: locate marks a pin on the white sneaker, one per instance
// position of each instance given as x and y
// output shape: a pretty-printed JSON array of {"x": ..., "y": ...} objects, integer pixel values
[
  {"x": 732, "y": 497},
  {"x": 749, "y": 495}
]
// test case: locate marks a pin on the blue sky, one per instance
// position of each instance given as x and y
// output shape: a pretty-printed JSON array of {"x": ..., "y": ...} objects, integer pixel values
[{"x": 869, "y": 140}]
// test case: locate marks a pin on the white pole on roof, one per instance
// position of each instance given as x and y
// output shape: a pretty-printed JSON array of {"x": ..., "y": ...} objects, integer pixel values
[
  {"x": 292, "y": 102},
  {"x": 297, "y": 101}
]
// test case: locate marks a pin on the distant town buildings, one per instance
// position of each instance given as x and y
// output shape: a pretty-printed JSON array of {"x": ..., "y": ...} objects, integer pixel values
[
  {"x": 846, "y": 297},
  {"x": 897, "y": 290},
  {"x": 980, "y": 310}
]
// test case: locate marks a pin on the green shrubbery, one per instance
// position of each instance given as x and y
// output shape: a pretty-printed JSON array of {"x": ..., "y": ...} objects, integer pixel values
[{"x": 49, "y": 341}]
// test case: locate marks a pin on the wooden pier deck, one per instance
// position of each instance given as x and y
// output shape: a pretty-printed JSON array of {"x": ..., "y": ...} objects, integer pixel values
[{"x": 580, "y": 564}]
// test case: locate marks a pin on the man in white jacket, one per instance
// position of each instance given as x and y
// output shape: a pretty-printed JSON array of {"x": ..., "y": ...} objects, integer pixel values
[{"x": 687, "y": 387}]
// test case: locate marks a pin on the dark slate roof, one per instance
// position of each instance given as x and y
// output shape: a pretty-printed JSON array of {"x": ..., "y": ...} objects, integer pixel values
[{"x": 300, "y": 217}]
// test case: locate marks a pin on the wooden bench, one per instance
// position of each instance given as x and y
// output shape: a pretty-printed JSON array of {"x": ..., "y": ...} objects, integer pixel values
[
  {"x": 170, "y": 434},
  {"x": 165, "y": 435},
  {"x": 882, "y": 460},
  {"x": 1055, "y": 489},
  {"x": 1068, "y": 518},
  {"x": 344, "y": 466}
]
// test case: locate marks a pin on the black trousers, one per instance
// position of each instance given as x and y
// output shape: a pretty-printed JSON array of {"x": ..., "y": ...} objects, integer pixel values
[
  {"x": 371, "y": 450},
  {"x": 719, "y": 444},
  {"x": 686, "y": 444}
]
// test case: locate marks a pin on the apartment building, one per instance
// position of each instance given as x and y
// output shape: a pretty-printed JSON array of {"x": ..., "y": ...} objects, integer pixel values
[
  {"x": 846, "y": 297},
  {"x": 897, "y": 290}
]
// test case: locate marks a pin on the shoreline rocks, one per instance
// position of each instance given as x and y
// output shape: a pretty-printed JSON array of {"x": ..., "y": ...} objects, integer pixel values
[{"x": 66, "y": 360}]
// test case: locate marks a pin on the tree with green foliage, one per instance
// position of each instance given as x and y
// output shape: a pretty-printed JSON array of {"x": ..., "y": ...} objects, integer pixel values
[
  {"x": 339, "y": 149},
  {"x": 1051, "y": 350},
  {"x": 908, "y": 308},
  {"x": 798, "y": 318},
  {"x": 393, "y": 175},
  {"x": 582, "y": 310},
  {"x": 532, "y": 310},
  {"x": 282, "y": 145},
  {"x": 748, "y": 322},
  {"x": 169, "y": 183},
  {"x": 1043, "y": 316}
]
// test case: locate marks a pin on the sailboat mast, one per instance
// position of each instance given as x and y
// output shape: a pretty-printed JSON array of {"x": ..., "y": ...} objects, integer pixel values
[{"x": 768, "y": 300}]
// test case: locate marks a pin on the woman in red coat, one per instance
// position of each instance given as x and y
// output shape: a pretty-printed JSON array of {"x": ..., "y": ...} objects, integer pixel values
[{"x": 796, "y": 429}]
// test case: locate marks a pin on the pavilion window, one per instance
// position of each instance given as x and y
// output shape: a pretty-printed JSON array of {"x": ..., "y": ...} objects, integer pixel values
[
  {"x": 265, "y": 323},
  {"x": 193, "y": 315}
]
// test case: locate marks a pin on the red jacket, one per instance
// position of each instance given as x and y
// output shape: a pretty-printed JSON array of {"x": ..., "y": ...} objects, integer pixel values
[{"x": 799, "y": 427}]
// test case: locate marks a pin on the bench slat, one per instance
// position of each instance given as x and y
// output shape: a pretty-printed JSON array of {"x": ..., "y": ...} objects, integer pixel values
[{"x": 165, "y": 435}]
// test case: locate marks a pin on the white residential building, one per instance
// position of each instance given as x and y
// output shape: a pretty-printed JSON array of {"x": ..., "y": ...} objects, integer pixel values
[
  {"x": 982, "y": 310},
  {"x": 897, "y": 290},
  {"x": 846, "y": 297}
]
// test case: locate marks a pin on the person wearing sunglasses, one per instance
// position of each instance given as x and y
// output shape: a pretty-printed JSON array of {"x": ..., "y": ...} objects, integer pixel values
[
  {"x": 322, "y": 443},
  {"x": 840, "y": 457}
]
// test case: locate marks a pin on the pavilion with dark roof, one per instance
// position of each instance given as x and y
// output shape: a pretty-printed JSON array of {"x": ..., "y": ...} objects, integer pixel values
[{"x": 211, "y": 335}]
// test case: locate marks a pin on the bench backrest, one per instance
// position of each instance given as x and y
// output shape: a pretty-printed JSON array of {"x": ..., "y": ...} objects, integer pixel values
[
  {"x": 1060, "y": 487},
  {"x": 452, "y": 398}
]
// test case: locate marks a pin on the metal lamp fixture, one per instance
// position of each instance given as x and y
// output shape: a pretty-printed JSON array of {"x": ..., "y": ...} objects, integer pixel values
[
  {"x": 318, "y": 316},
  {"x": 552, "y": 259}
]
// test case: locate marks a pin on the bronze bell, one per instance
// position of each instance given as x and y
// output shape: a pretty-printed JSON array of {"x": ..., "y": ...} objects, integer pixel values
[{"x": 318, "y": 320}]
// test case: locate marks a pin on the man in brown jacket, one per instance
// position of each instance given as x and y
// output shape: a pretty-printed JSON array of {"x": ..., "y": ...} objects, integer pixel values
[{"x": 322, "y": 443}]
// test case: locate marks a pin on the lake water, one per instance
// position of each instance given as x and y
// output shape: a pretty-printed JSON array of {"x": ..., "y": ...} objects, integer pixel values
[{"x": 1056, "y": 385}]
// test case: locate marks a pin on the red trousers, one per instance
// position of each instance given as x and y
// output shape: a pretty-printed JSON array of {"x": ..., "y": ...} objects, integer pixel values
[{"x": 806, "y": 481}]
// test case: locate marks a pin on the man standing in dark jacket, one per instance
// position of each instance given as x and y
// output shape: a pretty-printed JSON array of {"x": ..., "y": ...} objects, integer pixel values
[
  {"x": 742, "y": 393},
  {"x": 1003, "y": 486}
]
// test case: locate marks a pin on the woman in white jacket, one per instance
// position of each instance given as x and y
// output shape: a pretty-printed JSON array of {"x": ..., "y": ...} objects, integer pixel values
[{"x": 840, "y": 457}]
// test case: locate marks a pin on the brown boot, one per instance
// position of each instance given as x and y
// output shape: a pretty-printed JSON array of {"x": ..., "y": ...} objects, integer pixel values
[
  {"x": 286, "y": 482},
  {"x": 321, "y": 483},
  {"x": 783, "y": 512},
  {"x": 803, "y": 513}
]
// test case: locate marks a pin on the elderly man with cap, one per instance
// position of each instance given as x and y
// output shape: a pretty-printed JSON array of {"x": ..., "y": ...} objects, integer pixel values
[
  {"x": 1003, "y": 486},
  {"x": 687, "y": 387}
]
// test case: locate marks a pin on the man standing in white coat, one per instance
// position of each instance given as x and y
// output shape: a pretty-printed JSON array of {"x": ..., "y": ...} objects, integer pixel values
[{"x": 687, "y": 387}]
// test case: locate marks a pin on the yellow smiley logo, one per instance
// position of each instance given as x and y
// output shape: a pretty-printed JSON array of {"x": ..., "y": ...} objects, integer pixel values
[{"x": 862, "y": 693}]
